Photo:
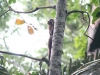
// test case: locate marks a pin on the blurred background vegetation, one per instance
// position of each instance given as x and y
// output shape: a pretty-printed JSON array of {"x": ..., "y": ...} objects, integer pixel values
[{"x": 75, "y": 42}]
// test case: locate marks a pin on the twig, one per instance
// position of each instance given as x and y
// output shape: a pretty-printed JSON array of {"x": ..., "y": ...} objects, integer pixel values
[
  {"x": 20, "y": 55},
  {"x": 7, "y": 10},
  {"x": 37, "y": 8},
  {"x": 4, "y": 13},
  {"x": 5, "y": 44},
  {"x": 78, "y": 11},
  {"x": 46, "y": 61},
  {"x": 42, "y": 59},
  {"x": 29, "y": 69}
]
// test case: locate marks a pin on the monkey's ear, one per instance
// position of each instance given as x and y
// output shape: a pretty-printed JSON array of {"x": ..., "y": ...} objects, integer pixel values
[{"x": 51, "y": 20}]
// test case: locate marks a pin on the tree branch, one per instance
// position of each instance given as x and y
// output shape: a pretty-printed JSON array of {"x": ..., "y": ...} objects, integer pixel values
[
  {"x": 20, "y": 55},
  {"x": 4, "y": 13},
  {"x": 29, "y": 69},
  {"x": 78, "y": 11},
  {"x": 42, "y": 59},
  {"x": 37, "y": 8},
  {"x": 5, "y": 44}
]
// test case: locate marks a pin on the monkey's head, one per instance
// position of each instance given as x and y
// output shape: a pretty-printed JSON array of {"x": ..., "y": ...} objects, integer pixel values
[{"x": 51, "y": 22}]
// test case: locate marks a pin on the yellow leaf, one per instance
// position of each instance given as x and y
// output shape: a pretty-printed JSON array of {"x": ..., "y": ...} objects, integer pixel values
[
  {"x": 30, "y": 30},
  {"x": 19, "y": 21}
]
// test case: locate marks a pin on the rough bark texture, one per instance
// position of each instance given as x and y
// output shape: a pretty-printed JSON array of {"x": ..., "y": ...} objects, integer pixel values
[
  {"x": 59, "y": 26},
  {"x": 90, "y": 32},
  {"x": 91, "y": 68}
]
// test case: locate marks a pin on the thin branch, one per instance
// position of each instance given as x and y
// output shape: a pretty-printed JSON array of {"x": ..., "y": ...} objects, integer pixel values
[
  {"x": 29, "y": 68},
  {"x": 20, "y": 55},
  {"x": 37, "y": 8},
  {"x": 42, "y": 59},
  {"x": 78, "y": 11},
  {"x": 4, "y": 13},
  {"x": 5, "y": 44}
]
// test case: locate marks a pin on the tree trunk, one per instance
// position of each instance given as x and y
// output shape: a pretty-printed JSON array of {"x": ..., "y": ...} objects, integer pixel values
[
  {"x": 91, "y": 31},
  {"x": 59, "y": 26},
  {"x": 91, "y": 68}
]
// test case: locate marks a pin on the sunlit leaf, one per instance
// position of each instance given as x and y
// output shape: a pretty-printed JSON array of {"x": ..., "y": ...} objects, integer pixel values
[
  {"x": 94, "y": 19},
  {"x": 95, "y": 14},
  {"x": 30, "y": 30},
  {"x": 95, "y": 11},
  {"x": 19, "y": 21},
  {"x": 12, "y": 1}
]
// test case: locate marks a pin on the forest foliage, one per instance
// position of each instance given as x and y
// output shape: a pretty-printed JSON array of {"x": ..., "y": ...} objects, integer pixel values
[{"x": 75, "y": 42}]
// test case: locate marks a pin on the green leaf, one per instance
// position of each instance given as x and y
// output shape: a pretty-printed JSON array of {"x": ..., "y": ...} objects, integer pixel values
[
  {"x": 95, "y": 2},
  {"x": 94, "y": 19},
  {"x": 95, "y": 11},
  {"x": 19, "y": 74},
  {"x": 35, "y": 73},
  {"x": 12, "y": 1},
  {"x": 3, "y": 71},
  {"x": 96, "y": 14}
]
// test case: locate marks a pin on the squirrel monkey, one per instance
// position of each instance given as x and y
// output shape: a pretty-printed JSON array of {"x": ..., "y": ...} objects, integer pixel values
[{"x": 51, "y": 29}]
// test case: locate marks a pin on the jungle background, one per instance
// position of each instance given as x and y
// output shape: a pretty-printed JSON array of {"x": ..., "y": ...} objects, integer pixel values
[{"x": 75, "y": 42}]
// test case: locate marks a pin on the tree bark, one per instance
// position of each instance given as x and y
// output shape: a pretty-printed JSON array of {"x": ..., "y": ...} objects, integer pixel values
[
  {"x": 59, "y": 26},
  {"x": 91, "y": 32},
  {"x": 91, "y": 68}
]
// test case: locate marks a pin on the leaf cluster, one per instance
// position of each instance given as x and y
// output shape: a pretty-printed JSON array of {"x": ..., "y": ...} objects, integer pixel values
[
  {"x": 80, "y": 43},
  {"x": 11, "y": 1},
  {"x": 96, "y": 14}
]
